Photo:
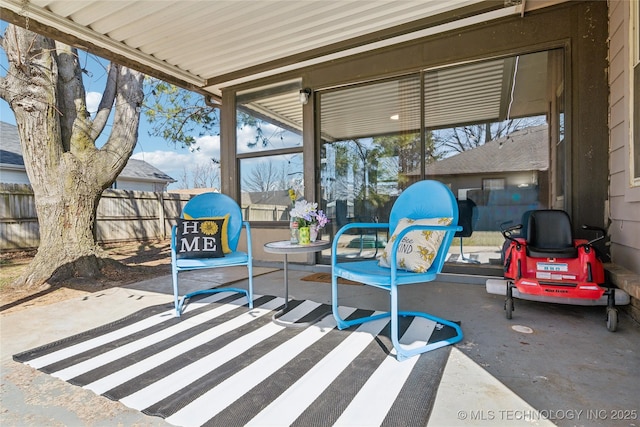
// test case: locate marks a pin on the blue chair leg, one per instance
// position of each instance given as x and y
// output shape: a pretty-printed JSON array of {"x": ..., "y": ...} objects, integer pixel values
[
  {"x": 176, "y": 299},
  {"x": 250, "y": 293},
  {"x": 465, "y": 259},
  {"x": 342, "y": 323},
  {"x": 180, "y": 302},
  {"x": 401, "y": 352}
]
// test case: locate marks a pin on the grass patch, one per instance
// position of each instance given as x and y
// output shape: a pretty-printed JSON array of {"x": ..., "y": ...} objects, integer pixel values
[
  {"x": 12, "y": 265},
  {"x": 483, "y": 238}
]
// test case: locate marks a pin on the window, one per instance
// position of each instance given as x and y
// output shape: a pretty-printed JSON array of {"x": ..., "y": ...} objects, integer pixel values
[
  {"x": 493, "y": 184},
  {"x": 265, "y": 184},
  {"x": 371, "y": 151},
  {"x": 269, "y": 150},
  {"x": 484, "y": 128}
]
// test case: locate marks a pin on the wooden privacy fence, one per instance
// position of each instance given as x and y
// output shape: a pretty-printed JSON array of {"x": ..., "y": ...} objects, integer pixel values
[
  {"x": 257, "y": 212},
  {"x": 122, "y": 216}
]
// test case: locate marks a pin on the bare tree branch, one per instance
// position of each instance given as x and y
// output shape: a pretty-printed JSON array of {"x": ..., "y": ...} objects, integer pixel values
[
  {"x": 4, "y": 94},
  {"x": 75, "y": 124},
  {"x": 106, "y": 103},
  {"x": 124, "y": 131},
  {"x": 264, "y": 177}
]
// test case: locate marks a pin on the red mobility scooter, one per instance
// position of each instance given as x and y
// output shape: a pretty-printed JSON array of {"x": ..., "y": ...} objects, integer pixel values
[{"x": 545, "y": 263}]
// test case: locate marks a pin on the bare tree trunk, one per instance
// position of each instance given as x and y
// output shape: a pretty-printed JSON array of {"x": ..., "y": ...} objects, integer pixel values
[
  {"x": 67, "y": 244},
  {"x": 68, "y": 173}
]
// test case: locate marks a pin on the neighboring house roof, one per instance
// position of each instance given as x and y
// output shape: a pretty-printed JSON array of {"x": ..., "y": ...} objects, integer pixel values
[
  {"x": 193, "y": 191},
  {"x": 526, "y": 150},
  {"x": 11, "y": 156},
  {"x": 10, "y": 152},
  {"x": 143, "y": 171}
]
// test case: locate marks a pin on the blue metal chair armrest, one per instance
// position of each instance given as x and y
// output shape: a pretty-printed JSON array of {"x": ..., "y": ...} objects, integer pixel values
[
  {"x": 247, "y": 226},
  {"x": 350, "y": 226}
]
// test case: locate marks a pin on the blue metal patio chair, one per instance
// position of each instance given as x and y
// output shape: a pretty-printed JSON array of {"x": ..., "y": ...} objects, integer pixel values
[
  {"x": 426, "y": 201},
  {"x": 209, "y": 206}
]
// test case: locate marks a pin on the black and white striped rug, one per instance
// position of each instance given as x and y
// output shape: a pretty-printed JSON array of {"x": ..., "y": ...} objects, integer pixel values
[{"x": 222, "y": 364}]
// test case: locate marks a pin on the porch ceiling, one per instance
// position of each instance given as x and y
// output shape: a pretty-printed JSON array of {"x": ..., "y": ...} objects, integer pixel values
[
  {"x": 206, "y": 45},
  {"x": 212, "y": 44}
]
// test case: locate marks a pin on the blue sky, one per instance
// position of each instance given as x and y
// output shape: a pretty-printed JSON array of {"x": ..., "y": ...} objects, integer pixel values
[{"x": 170, "y": 159}]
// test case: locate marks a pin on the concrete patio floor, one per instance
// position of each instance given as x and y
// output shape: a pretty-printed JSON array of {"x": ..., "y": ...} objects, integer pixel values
[{"x": 550, "y": 361}]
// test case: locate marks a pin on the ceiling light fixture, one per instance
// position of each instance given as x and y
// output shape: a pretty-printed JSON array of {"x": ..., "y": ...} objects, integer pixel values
[
  {"x": 304, "y": 95},
  {"x": 395, "y": 117}
]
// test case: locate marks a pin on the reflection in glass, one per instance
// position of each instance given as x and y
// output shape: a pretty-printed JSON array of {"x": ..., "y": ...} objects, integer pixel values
[
  {"x": 269, "y": 119},
  {"x": 269, "y": 148},
  {"x": 265, "y": 183}
]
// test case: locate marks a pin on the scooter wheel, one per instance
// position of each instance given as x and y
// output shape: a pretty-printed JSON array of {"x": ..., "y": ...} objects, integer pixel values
[
  {"x": 508, "y": 306},
  {"x": 612, "y": 319}
]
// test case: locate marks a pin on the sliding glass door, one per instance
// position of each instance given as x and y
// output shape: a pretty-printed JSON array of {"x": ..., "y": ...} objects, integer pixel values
[
  {"x": 492, "y": 130},
  {"x": 371, "y": 145}
]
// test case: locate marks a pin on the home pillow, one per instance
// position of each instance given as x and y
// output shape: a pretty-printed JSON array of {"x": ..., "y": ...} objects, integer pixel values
[
  {"x": 225, "y": 237},
  {"x": 418, "y": 248},
  {"x": 199, "y": 238}
]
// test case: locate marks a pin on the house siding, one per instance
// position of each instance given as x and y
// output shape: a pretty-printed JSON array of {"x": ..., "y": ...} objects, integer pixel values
[
  {"x": 133, "y": 185},
  {"x": 13, "y": 176},
  {"x": 624, "y": 200}
]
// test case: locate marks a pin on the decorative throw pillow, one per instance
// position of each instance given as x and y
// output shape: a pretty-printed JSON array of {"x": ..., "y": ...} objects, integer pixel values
[
  {"x": 199, "y": 238},
  {"x": 225, "y": 236},
  {"x": 418, "y": 248}
]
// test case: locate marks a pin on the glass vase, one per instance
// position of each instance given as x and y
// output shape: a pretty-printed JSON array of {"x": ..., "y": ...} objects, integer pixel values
[
  {"x": 293, "y": 231},
  {"x": 313, "y": 232}
]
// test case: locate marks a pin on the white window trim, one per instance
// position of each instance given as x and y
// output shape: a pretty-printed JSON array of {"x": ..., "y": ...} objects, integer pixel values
[{"x": 634, "y": 60}]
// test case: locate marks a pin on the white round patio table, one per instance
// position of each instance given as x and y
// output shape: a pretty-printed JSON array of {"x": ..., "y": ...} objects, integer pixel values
[{"x": 285, "y": 247}]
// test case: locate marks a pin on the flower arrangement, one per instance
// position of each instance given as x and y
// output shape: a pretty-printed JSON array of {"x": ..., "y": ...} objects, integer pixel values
[{"x": 307, "y": 214}]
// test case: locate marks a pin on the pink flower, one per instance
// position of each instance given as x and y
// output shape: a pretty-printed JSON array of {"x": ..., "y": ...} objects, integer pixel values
[{"x": 321, "y": 219}]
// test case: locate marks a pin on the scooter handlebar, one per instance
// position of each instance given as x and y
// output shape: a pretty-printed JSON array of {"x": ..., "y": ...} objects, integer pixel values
[
  {"x": 594, "y": 228},
  {"x": 506, "y": 232}
]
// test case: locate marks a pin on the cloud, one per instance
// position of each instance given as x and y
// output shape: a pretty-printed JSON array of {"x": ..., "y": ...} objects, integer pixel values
[
  {"x": 209, "y": 146},
  {"x": 93, "y": 101},
  {"x": 175, "y": 162}
]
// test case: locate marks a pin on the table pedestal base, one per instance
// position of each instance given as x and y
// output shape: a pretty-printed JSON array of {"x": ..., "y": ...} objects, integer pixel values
[{"x": 284, "y": 247}]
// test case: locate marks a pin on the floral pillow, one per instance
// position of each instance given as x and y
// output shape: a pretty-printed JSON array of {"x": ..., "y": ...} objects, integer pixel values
[
  {"x": 199, "y": 238},
  {"x": 418, "y": 248}
]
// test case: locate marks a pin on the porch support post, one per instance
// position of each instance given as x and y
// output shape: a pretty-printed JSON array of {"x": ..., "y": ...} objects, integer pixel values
[{"x": 229, "y": 184}]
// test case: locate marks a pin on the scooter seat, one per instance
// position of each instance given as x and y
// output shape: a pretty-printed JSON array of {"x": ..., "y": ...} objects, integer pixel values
[{"x": 549, "y": 235}]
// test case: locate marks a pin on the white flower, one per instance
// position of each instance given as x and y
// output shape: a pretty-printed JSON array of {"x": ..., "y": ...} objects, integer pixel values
[
  {"x": 307, "y": 213},
  {"x": 304, "y": 210}
]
